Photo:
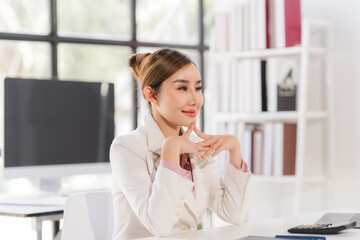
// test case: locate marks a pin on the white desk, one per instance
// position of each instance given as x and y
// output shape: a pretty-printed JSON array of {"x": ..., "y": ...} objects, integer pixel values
[
  {"x": 38, "y": 214},
  {"x": 268, "y": 228}
]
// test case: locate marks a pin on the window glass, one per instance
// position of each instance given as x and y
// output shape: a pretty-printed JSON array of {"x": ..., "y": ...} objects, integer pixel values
[
  {"x": 95, "y": 19},
  {"x": 207, "y": 20},
  {"x": 24, "y": 16},
  {"x": 173, "y": 21},
  {"x": 25, "y": 59},
  {"x": 101, "y": 63}
]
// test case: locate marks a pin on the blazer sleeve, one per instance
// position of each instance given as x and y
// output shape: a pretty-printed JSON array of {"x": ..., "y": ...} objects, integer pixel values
[
  {"x": 228, "y": 197},
  {"x": 156, "y": 204}
]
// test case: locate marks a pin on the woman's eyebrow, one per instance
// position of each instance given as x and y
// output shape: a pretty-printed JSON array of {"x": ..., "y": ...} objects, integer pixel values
[{"x": 185, "y": 81}]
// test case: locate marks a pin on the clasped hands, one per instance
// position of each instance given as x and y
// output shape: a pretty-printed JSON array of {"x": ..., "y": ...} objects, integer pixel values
[{"x": 211, "y": 145}]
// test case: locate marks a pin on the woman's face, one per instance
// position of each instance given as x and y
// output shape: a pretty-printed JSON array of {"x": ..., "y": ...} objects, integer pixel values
[{"x": 180, "y": 97}]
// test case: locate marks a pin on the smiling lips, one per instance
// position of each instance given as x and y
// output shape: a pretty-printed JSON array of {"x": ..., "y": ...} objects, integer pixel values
[{"x": 189, "y": 113}]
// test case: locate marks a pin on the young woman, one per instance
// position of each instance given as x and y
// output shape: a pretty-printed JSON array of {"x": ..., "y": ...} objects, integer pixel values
[{"x": 165, "y": 177}]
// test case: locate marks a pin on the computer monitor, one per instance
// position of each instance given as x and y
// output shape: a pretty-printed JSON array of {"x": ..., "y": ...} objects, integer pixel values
[{"x": 53, "y": 128}]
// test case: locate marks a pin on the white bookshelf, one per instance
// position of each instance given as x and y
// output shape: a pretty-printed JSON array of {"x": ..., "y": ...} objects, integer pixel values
[
  {"x": 266, "y": 53},
  {"x": 262, "y": 117},
  {"x": 302, "y": 116}
]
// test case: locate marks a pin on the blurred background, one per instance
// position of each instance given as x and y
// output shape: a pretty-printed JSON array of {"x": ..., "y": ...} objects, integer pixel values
[{"x": 91, "y": 40}]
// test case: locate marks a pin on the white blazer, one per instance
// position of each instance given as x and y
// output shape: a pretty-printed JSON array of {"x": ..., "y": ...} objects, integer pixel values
[{"x": 152, "y": 200}]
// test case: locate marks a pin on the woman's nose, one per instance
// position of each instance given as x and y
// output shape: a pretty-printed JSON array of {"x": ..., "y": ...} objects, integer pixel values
[{"x": 194, "y": 98}]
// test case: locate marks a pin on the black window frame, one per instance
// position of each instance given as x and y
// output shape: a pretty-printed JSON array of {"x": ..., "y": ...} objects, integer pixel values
[{"x": 54, "y": 39}]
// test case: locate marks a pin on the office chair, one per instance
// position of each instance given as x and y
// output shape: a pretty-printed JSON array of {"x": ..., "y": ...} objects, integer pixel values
[{"x": 89, "y": 216}]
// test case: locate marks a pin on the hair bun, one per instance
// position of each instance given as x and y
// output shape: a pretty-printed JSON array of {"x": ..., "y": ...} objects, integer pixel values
[{"x": 134, "y": 62}]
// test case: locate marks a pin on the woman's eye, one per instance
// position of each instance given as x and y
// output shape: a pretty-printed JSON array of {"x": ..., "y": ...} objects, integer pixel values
[
  {"x": 198, "y": 88},
  {"x": 182, "y": 88}
]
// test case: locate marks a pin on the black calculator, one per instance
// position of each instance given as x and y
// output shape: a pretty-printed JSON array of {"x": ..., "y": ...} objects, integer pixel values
[{"x": 322, "y": 228}]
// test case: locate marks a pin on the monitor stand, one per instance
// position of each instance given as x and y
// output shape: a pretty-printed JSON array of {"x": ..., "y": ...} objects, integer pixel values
[
  {"x": 50, "y": 185},
  {"x": 47, "y": 194}
]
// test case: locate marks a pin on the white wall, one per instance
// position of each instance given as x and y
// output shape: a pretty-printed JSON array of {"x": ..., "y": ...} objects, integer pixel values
[{"x": 345, "y": 18}]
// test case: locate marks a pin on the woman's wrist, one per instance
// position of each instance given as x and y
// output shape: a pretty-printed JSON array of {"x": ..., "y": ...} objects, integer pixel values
[
  {"x": 171, "y": 150},
  {"x": 235, "y": 154}
]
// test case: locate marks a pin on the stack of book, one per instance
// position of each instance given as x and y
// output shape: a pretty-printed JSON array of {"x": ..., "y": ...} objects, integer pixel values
[
  {"x": 257, "y": 24},
  {"x": 269, "y": 149},
  {"x": 253, "y": 85}
]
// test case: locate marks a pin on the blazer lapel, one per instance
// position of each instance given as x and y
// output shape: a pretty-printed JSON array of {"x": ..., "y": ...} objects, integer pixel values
[{"x": 155, "y": 140}]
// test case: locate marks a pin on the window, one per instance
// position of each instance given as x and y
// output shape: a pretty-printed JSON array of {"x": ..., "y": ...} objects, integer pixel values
[
  {"x": 94, "y": 19},
  {"x": 91, "y": 40},
  {"x": 25, "y": 58},
  {"x": 168, "y": 21},
  {"x": 21, "y": 16}
]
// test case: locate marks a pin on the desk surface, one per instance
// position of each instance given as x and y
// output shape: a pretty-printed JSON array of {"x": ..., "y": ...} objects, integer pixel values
[
  {"x": 268, "y": 228},
  {"x": 32, "y": 206},
  {"x": 29, "y": 211}
]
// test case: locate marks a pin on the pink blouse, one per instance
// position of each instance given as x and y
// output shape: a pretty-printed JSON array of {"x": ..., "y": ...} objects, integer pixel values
[{"x": 187, "y": 173}]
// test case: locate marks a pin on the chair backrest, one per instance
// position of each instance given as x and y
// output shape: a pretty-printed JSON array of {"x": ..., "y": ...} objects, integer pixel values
[{"x": 89, "y": 216}]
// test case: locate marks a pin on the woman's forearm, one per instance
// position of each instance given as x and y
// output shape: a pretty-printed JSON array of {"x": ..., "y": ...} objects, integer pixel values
[
  {"x": 171, "y": 150},
  {"x": 235, "y": 156}
]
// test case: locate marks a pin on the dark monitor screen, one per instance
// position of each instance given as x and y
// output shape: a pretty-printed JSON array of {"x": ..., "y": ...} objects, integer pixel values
[{"x": 49, "y": 122}]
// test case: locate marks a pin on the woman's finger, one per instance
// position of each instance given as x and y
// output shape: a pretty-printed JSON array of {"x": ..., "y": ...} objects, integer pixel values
[
  {"x": 216, "y": 152},
  {"x": 216, "y": 146},
  {"x": 201, "y": 134},
  {"x": 202, "y": 149},
  {"x": 198, "y": 155},
  {"x": 208, "y": 152},
  {"x": 202, "y": 144},
  {"x": 189, "y": 130},
  {"x": 208, "y": 142}
]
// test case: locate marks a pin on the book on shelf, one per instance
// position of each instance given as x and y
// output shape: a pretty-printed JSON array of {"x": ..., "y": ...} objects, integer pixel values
[
  {"x": 221, "y": 28},
  {"x": 224, "y": 86},
  {"x": 284, "y": 23},
  {"x": 278, "y": 149},
  {"x": 267, "y": 23},
  {"x": 235, "y": 97},
  {"x": 246, "y": 144},
  {"x": 289, "y": 149},
  {"x": 277, "y": 23},
  {"x": 254, "y": 85},
  {"x": 264, "y": 97},
  {"x": 292, "y": 9},
  {"x": 269, "y": 149},
  {"x": 223, "y": 156},
  {"x": 257, "y": 24},
  {"x": 236, "y": 28},
  {"x": 257, "y": 150}
]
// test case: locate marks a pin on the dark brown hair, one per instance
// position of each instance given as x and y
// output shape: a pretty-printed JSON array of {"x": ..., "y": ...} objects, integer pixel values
[{"x": 152, "y": 69}]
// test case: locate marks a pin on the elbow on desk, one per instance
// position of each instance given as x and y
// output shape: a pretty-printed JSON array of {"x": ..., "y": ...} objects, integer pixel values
[
  {"x": 160, "y": 232},
  {"x": 159, "y": 229},
  {"x": 235, "y": 217},
  {"x": 237, "y": 221}
]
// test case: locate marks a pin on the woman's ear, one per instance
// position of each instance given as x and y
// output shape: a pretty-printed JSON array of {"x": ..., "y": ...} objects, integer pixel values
[{"x": 150, "y": 95}]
